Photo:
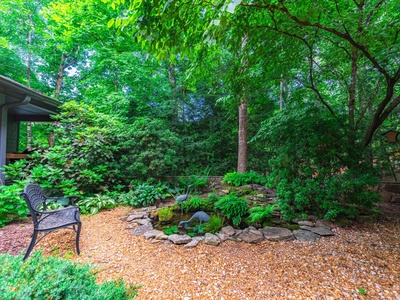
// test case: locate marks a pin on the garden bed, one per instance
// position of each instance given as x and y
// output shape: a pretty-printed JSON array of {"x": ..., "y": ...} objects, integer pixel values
[{"x": 359, "y": 259}]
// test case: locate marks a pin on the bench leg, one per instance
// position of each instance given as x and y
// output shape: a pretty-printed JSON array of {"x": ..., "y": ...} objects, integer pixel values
[
  {"x": 78, "y": 233},
  {"x": 31, "y": 245}
]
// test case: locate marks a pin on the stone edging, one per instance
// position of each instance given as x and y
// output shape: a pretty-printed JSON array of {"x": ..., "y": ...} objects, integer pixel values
[{"x": 310, "y": 231}]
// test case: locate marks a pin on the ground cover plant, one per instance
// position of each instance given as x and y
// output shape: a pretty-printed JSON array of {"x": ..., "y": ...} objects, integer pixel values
[{"x": 55, "y": 278}]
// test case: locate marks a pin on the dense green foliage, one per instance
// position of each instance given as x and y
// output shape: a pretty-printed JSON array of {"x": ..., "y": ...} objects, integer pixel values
[
  {"x": 238, "y": 179},
  {"x": 318, "y": 172},
  {"x": 259, "y": 214},
  {"x": 215, "y": 224},
  {"x": 165, "y": 214},
  {"x": 232, "y": 207},
  {"x": 196, "y": 203},
  {"x": 144, "y": 194},
  {"x": 156, "y": 86},
  {"x": 93, "y": 205},
  {"x": 54, "y": 278},
  {"x": 12, "y": 206}
]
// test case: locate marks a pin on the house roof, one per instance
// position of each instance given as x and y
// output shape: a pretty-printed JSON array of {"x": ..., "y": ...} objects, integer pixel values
[{"x": 26, "y": 104}]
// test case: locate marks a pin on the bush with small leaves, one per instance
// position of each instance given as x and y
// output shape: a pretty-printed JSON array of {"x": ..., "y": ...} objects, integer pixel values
[
  {"x": 54, "y": 278},
  {"x": 165, "y": 214}
]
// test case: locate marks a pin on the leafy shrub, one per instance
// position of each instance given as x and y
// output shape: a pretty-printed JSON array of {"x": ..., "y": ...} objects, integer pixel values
[
  {"x": 233, "y": 207},
  {"x": 198, "y": 181},
  {"x": 213, "y": 197},
  {"x": 260, "y": 213},
  {"x": 93, "y": 205},
  {"x": 144, "y": 195},
  {"x": 147, "y": 149},
  {"x": 82, "y": 159},
  {"x": 165, "y": 214},
  {"x": 169, "y": 230},
  {"x": 214, "y": 225},
  {"x": 54, "y": 278},
  {"x": 316, "y": 167},
  {"x": 238, "y": 179},
  {"x": 12, "y": 206},
  {"x": 196, "y": 203}
]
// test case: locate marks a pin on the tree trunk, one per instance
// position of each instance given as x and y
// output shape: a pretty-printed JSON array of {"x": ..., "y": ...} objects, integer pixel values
[
  {"x": 174, "y": 91},
  {"x": 60, "y": 76},
  {"x": 242, "y": 132},
  {"x": 242, "y": 137}
]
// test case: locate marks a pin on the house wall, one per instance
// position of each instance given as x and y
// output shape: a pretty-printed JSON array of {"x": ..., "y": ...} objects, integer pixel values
[{"x": 12, "y": 136}]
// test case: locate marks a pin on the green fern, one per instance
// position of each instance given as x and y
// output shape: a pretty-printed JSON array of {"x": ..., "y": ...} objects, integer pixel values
[
  {"x": 260, "y": 213},
  {"x": 233, "y": 207}
]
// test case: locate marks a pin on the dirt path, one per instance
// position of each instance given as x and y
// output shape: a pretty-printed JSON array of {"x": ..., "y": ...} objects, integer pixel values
[{"x": 364, "y": 258}]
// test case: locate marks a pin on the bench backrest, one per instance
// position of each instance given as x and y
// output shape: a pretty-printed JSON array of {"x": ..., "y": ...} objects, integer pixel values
[{"x": 34, "y": 198}]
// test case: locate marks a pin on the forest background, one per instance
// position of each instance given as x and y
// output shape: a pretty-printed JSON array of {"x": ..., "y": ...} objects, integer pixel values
[{"x": 300, "y": 92}]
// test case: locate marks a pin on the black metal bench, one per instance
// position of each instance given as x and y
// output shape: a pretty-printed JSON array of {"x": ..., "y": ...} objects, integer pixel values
[{"x": 46, "y": 221}]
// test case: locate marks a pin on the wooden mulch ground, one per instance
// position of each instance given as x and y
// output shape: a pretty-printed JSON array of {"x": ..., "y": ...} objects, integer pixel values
[{"x": 359, "y": 262}]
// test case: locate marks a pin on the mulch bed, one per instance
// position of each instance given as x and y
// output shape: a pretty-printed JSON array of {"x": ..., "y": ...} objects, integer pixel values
[{"x": 361, "y": 261}]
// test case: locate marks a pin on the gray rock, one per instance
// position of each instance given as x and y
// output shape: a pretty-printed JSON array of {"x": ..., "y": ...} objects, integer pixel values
[
  {"x": 235, "y": 238},
  {"x": 191, "y": 244},
  {"x": 142, "y": 229},
  {"x": 137, "y": 215},
  {"x": 211, "y": 239},
  {"x": 322, "y": 231},
  {"x": 251, "y": 235},
  {"x": 276, "y": 234},
  {"x": 322, "y": 223},
  {"x": 306, "y": 223},
  {"x": 306, "y": 227},
  {"x": 305, "y": 235},
  {"x": 142, "y": 221},
  {"x": 222, "y": 236},
  {"x": 162, "y": 236},
  {"x": 228, "y": 230},
  {"x": 152, "y": 234},
  {"x": 179, "y": 239},
  {"x": 195, "y": 241}
]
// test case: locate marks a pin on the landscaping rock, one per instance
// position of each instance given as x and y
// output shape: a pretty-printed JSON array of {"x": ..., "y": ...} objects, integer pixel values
[
  {"x": 222, "y": 236},
  {"x": 228, "y": 230},
  {"x": 179, "y": 239},
  {"x": 235, "y": 238},
  {"x": 151, "y": 234},
  {"x": 142, "y": 229},
  {"x": 195, "y": 241},
  {"x": 322, "y": 231},
  {"x": 251, "y": 235},
  {"x": 322, "y": 223},
  {"x": 306, "y": 223},
  {"x": 277, "y": 234},
  {"x": 137, "y": 215},
  {"x": 211, "y": 239},
  {"x": 142, "y": 221},
  {"x": 305, "y": 235},
  {"x": 162, "y": 236}
]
